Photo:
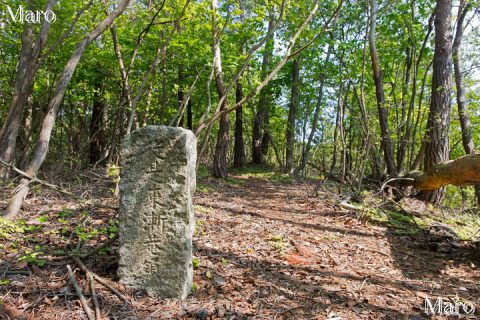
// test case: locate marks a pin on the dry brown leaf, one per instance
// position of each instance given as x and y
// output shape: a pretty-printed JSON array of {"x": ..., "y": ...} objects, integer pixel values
[
  {"x": 304, "y": 250},
  {"x": 295, "y": 259}
]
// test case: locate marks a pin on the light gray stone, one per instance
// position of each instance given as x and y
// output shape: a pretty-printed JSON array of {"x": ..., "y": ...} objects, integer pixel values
[{"x": 157, "y": 181}]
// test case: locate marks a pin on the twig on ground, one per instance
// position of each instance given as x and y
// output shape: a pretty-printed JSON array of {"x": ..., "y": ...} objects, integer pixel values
[
  {"x": 94, "y": 296},
  {"x": 37, "y": 301},
  {"x": 15, "y": 272},
  {"x": 394, "y": 179},
  {"x": 83, "y": 301},
  {"x": 97, "y": 249},
  {"x": 100, "y": 280}
]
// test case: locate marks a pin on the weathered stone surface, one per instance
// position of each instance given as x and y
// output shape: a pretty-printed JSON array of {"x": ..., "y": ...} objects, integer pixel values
[{"x": 157, "y": 181}]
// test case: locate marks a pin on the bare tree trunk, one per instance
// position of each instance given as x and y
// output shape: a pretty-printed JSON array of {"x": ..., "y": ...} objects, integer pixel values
[
  {"x": 260, "y": 118},
  {"x": 97, "y": 126},
  {"x": 190, "y": 114},
  {"x": 438, "y": 125},
  {"x": 406, "y": 138},
  {"x": 220, "y": 168},
  {"x": 41, "y": 149},
  {"x": 462, "y": 103},
  {"x": 239, "y": 158},
  {"x": 180, "y": 92},
  {"x": 386, "y": 141},
  {"x": 318, "y": 107},
  {"x": 316, "y": 116},
  {"x": 292, "y": 116},
  {"x": 27, "y": 67}
]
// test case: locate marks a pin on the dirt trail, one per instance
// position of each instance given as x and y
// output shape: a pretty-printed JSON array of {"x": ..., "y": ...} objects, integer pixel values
[
  {"x": 288, "y": 253},
  {"x": 263, "y": 250}
]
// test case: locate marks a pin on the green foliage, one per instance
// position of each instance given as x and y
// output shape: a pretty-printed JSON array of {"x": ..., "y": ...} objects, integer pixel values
[
  {"x": 259, "y": 172},
  {"x": 32, "y": 256},
  {"x": 199, "y": 228},
  {"x": 279, "y": 243},
  {"x": 5, "y": 282},
  {"x": 195, "y": 263},
  {"x": 194, "y": 287},
  {"x": 9, "y": 227}
]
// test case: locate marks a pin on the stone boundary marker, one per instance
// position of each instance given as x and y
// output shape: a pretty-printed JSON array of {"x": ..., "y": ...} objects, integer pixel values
[{"x": 157, "y": 181}]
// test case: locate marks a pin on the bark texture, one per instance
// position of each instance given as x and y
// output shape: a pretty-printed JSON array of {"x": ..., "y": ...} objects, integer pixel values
[
  {"x": 462, "y": 102},
  {"x": 292, "y": 116},
  {"x": 41, "y": 148},
  {"x": 220, "y": 169},
  {"x": 386, "y": 141},
  {"x": 259, "y": 137},
  {"x": 461, "y": 171},
  {"x": 438, "y": 125}
]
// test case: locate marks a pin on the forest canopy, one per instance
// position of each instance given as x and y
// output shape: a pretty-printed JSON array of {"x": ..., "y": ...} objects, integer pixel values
[{"x": 353, "y": 90}]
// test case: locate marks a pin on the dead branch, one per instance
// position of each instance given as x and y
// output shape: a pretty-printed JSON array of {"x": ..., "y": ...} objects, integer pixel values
[
  {"x": 33, "y": 179},
  {"x": 83, "y": 301},
  {"x": 86, "y": 202},
  {"x": 461, "y": 171},
  {"x": 100, "y": 280},
  {"x": 97, "y": 249},
  {"x": 98, "y": 316}
]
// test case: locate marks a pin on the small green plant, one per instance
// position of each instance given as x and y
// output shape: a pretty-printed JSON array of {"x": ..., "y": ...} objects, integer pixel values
[
  {"x": 85, "y": 233},
  {"x": 65, "y": 212},
  {"x": 202, "y": 209},
  {"x": 278, "y": 242},
  {"x": 203, "y": 188},
  {"x": 111, "y": 230},
  {"x": 43, "y": 218},
  {"x": 4, "y": 282},
  {"x": 203, "y": 171},
  {"x": 224, "y": 261},
  {"x": 113, "y": 170},
  {"x": 195, "y": 263},
  {"x": 31, "y": 257},
  {"x": 199, "y": 225},
  {"x": 7, "y": 227},
  {"x": 194, "y": 287}
]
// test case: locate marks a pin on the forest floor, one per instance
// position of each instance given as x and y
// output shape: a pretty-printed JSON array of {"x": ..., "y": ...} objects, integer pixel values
[{"x": 265, "y": 247}]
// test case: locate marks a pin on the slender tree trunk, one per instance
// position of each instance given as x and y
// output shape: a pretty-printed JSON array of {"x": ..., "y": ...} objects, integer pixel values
[
  {"x": 438, "y": 125},
  {"x": 97, "y": 125},
  {"x": 41, "y": 149},
  {"x": 260, "y": 119},
  {"x": 190, "y": 114},
  {"x": 462, "y": 103},
  {"x": 163, "y": 96},
  {"x": 335, "y": 138},
  {"x": 292, "y": 116},
  {"x": 220, "y": 168},
  {"x": 420, "y": 116},
  {"x": 407, "y": 137},
  {"x": 386, "y": 141},
  {"x": 406, "y": 115},
  {"x": 27, "y": 67},
  {"x": 239, "y": 158},
  {"x": 316, "y": 117},
  {"x": 180, "y": 91}
]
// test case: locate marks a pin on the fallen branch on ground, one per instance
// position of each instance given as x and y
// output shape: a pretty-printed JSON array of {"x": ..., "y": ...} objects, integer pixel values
[
  {"x": 88, "y": 202},
  {"x": 94, "y": 296},
  {"x": 461, "y": 171},
  {"x": 100, "y": 280},
  {"x": 97, "y": 249},
  {"x": 83, "y": 301},
  {"x": 33, "y": 179}
]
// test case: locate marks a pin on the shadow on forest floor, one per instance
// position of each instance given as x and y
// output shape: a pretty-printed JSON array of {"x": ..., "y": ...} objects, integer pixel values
[{"x": 265, "y": 249}]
